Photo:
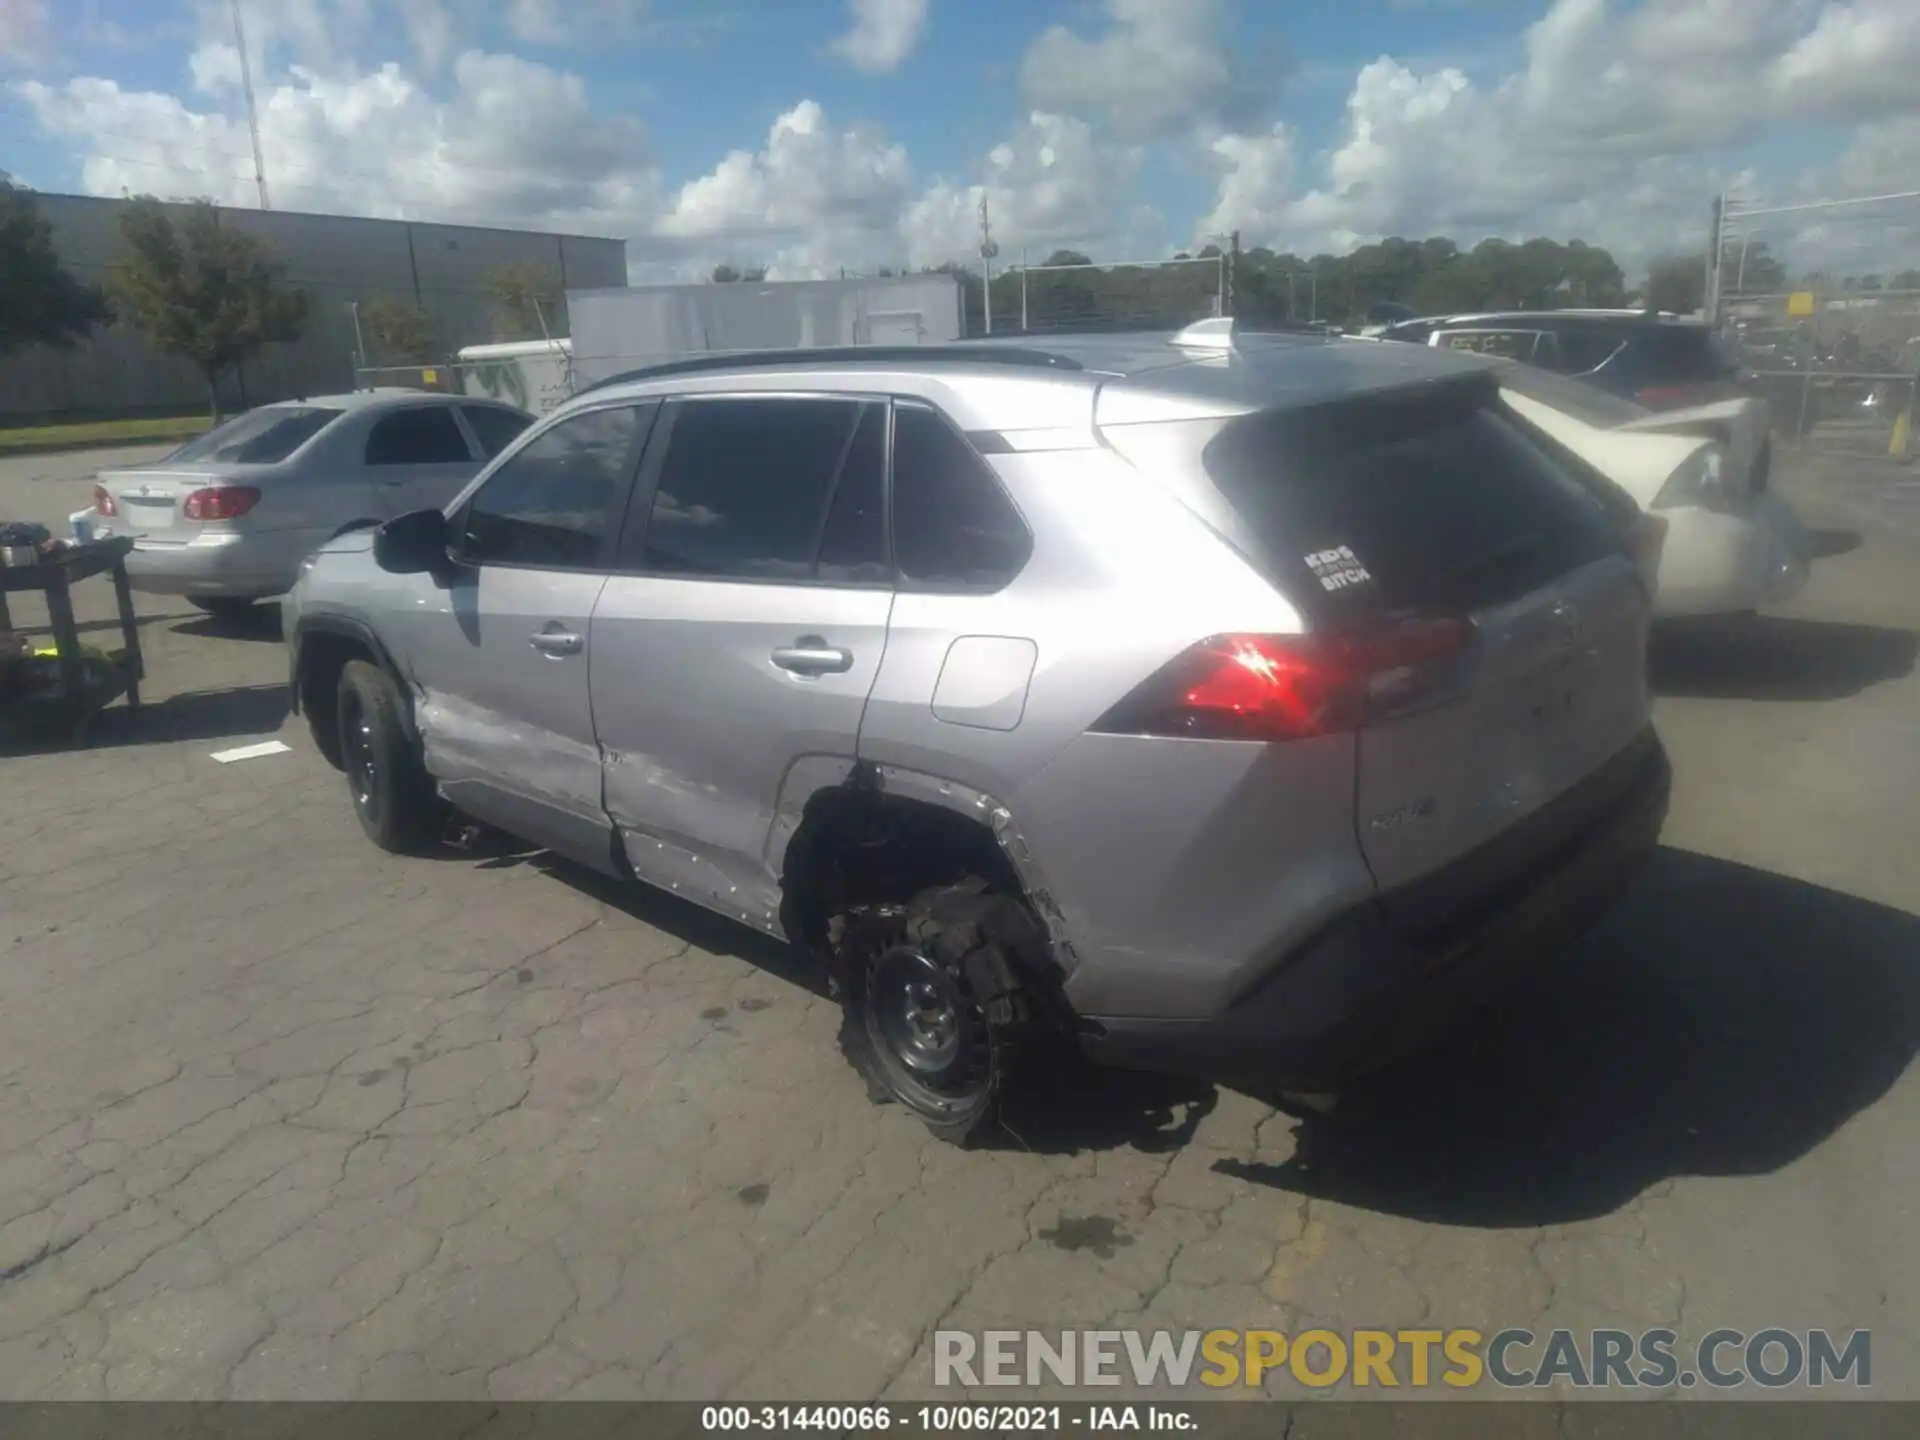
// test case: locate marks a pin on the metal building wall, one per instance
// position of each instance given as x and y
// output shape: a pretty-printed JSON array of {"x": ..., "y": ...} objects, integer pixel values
[{"x": 339, "y": 258}]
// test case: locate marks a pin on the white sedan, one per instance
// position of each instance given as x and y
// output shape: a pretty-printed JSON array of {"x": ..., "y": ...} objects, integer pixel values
[
  {"x": 227, "y": 518},
  {"x": 1704, "y": 473}
]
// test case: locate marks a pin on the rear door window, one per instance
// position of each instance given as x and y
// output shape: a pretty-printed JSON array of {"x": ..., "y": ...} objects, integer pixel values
[
  {"x": 259, "y": 437},
  {"x": 768, "y": 489},
  {"x": 953, "y": 526},
  {"x": 423, "y": 435},
  {"x": 1433, "y": 500}
]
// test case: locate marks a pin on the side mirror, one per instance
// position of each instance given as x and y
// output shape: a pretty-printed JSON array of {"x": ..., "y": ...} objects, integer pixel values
[{"x": 412, "y": 544}]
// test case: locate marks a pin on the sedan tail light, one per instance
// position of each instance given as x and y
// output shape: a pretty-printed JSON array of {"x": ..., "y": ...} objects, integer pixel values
[
  {"x": 224, "y": 502},
  {"x": 103, "y": 502},
  {"x": 1284, "y": 687}
]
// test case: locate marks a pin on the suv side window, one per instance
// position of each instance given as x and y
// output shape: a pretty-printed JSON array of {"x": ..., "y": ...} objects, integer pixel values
[
  {"x": 553, "y": 504},
  {"x": 953, "y": 525},
  {"x": 769, "y": 489},
  {"x": 425, "y": 435},
  {"x": 495, "y": 428}
]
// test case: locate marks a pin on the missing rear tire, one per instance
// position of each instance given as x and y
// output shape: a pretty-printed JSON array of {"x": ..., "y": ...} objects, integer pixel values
[{"x": 933, "y": 1009}]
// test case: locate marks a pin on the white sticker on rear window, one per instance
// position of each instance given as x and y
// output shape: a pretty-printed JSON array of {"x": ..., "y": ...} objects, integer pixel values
[{"x": 1338, "y": 568}]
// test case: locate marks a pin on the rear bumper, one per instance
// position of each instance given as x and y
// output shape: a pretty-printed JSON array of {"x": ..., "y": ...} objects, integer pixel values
[
  {"x": 238, "y": 566},
  {"x": 1389, "y": 976},
  {"x": 1712, "y": 563}
]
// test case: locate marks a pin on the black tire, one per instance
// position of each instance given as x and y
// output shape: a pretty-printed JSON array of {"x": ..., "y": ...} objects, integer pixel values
[
  {"x": 933, "y": 1005},
  {"x": 393, "y": 796},
  {"x": 228, "y": 609}
]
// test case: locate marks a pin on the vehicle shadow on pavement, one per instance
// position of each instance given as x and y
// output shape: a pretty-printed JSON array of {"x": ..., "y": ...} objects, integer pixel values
[
  {"x": 682, "y": 919},
  {"x": 246, "y": 711},
  {"x": 251, "y": 712},
  {"x": 1723, "y": 1021},
  {"x": 261, "y": 622},
  {"x": 1773, "y": 657},
  {"x": 1066, "y": 1106}
]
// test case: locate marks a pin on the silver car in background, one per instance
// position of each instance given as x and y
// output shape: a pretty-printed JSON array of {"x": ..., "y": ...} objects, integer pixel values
[
  {"x": 1245, "y": 704},
  {"x": 227, "y": 518}
]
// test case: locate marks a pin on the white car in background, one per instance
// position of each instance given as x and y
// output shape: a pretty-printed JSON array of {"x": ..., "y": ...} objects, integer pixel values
[
  {"x": 1704, "y": 474},
  {"x": 226, "y": 519}
]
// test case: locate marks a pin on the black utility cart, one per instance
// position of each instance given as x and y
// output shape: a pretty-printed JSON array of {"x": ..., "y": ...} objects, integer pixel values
[{"x": 87, "y": 682}]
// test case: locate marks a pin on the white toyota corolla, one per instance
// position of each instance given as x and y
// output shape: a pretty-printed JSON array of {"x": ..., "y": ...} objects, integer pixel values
[{"x": 1728, "y": 540}]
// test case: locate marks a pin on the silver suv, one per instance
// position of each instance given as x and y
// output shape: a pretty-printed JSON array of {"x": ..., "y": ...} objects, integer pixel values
[{"x": 1231, "y": 703}]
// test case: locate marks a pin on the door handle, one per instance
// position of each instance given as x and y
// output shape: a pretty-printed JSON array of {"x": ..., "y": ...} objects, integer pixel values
[
  {"x": 557, "y": 644},
  {"x": 810, "y": 655}
]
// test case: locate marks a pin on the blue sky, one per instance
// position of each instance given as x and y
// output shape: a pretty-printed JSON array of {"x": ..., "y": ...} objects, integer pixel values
[{"x": 814, "y": 133}]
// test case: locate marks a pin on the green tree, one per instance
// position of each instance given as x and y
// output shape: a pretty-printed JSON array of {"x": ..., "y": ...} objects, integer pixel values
[
  {"x": 1678, "y": 284},
  {"x": 40, "y": 302},
  {"x": 530, "y": 302},
  {"x": 200, "y": 290},
  {"x": 726, "y": 274},
  {"x": 401, "y": 332}
]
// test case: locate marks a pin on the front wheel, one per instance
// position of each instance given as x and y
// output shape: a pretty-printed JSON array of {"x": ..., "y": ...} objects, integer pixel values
[
  {"x": 393, "y": 796},
  {"x": 933, "y": 1002}
]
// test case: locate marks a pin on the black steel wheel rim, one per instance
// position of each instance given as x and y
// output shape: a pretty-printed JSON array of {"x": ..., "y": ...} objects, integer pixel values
[
  {"x": 931, "y": 1037},
  {"x": 363, "y": 759}
]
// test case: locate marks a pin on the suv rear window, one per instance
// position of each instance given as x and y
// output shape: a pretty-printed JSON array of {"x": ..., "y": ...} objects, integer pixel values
[
  {"x": 260, "y": 437},
  {"x": 1430, "y": 500}
]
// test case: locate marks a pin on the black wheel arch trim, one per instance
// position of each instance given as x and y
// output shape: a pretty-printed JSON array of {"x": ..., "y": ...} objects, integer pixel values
[{"x": 346, "y": 628}]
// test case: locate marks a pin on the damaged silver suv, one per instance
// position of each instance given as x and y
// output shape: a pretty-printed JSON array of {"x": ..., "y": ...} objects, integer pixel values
[{"x": 1220, "y": 702}]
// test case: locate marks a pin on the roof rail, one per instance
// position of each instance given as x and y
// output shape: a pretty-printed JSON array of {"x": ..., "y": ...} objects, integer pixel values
[{"x": 938, "y": 354}]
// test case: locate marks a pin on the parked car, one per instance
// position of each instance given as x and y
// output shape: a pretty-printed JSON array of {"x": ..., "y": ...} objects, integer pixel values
[
  {"x": 1248, "y": 705},
  {"x": 227, "y": 518},
  {"x": 1720, "y": 555},
  {"x": 1667, "y": 364}
]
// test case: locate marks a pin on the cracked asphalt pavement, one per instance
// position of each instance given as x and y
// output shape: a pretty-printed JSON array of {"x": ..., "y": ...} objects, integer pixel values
[{"x": 282, "y": 1117}]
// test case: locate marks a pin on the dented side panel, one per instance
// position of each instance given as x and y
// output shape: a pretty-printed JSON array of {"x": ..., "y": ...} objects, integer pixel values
[
  {"x": 701, "y": 723},
  {"x": 497, "y": 715}
]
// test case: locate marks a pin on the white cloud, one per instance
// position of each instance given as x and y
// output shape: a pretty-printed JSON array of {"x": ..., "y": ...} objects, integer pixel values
[
  {"x": 1257, "y": 175},
  {"x": 430, "y": 31},
  {"x": 819, "y": 196},
  {"x": 513, "y": 143},
  {"x": 1860, "y": 61},
  {"x": 556, "y": 23},
  {"x": 1161, "y": 66},
  {"x": 1612, "y": 129},
  {"x": 882, "y": 35},
  {"x": 1054, "y": 183}
]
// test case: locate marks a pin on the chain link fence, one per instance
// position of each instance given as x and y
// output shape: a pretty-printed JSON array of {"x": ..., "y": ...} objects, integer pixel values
[
  {"x": 1821, "y": 303},
  {"x": 1141, "y": 295}
]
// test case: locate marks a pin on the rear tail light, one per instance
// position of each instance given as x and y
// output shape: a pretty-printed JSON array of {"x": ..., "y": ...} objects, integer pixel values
[
  {"x": 103, "y": 502},
  {"x": 1701, "y": 479},
  {"x": 1285, "y": 687},
  {"x": 225, "y": 502}
]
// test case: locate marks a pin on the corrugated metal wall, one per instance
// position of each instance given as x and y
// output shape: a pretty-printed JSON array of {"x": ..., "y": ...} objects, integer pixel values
[{"x": 338, "y": 258}]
